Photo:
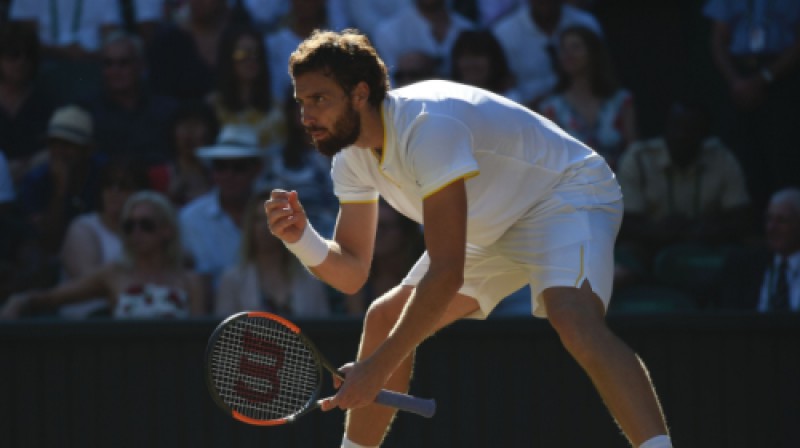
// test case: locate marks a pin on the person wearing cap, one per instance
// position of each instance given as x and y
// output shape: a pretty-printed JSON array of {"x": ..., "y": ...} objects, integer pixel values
[
  {"x": 66, "y": 184},
  {"x": 211, "y": 224}
]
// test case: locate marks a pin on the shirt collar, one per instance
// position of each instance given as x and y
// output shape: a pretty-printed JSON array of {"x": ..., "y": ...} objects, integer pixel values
[
  {"x": 793, "y": 261},
  {"x": 212, "y": 207},
  {"x": 664, "y": 161}
]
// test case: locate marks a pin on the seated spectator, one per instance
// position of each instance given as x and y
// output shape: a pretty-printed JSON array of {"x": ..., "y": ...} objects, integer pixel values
[
  {"x": 529, "y": 37},
  {"x": 150, "y": 282},
  {"x": 93, "y": 239},
  {"x": 128, "y": 119},
  {"x": 193, "y": 126},
  {"x": 398, "y": 245},
  {"x": 684, "y": 187},
  {"x": 183, "y": 56},
  {"x": 296, "y": 165},
  {"x": 24, "y": 107},
  {"x": 66, "y": 185},
  {"x": 211, "y": 224},
  {"x": 429, "y": 26},
  {"x": 766, "y": 278},
  {"x": 304, "y": 16},
  {"x": 414, "y": 66},
  {"x": 267, "y": 276},
  {"x": 71, "y": 33},
  {"x": 24, "y": 264},
  {"x": 243, "y": 94},
  {"x": 588, "y": 103},
  {"x": 478, "y": 60}
]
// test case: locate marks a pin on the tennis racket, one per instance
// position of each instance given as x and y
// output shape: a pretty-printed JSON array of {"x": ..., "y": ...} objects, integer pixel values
[{"x": 262, "y": 370}]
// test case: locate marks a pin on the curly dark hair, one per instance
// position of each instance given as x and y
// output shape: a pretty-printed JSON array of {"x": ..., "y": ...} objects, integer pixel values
[{"x": 347, "y": 57}]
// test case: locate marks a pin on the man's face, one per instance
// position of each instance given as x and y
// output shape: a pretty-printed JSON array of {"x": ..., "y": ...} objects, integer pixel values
[
  {"x": 783, "y": 227},
  {"x": 66, "y": 153},
  {"x": 327, "y": 113},
  {"x": 121, "y": 67},
  {"x": 234, "y": 177}
]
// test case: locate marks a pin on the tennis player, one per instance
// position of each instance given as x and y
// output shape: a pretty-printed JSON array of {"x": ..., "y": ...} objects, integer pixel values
[{"x": 506, "y": 198}]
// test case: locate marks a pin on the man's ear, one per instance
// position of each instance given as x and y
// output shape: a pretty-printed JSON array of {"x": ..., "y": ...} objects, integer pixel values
[{"x": 361, "y": 94}]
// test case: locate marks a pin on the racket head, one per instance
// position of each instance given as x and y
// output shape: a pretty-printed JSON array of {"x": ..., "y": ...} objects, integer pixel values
[{"x": 262, "y": 370}]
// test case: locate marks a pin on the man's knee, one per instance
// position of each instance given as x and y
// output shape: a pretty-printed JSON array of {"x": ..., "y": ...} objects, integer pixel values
[
  {"x": 384, "y": 311},
  {"x": 578, "y": 316}
]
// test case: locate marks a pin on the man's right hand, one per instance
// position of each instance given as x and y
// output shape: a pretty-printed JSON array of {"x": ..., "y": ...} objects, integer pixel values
[{"x": 286, "y": 217}]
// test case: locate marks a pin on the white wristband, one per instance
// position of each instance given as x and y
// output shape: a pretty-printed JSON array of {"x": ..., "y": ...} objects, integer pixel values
[{"x": 311, "y": 249}]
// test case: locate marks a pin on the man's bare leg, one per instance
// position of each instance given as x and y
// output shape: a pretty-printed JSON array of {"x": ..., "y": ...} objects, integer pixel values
[
  {"x": 367, "y": 426},
  {"x": 617, "y": 373}
]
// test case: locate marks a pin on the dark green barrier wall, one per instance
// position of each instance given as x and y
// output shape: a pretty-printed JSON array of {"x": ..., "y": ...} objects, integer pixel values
[{"x": 725, "y": 381}]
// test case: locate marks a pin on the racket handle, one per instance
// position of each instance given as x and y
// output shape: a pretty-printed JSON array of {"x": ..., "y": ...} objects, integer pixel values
[{"x": 421, "y": 406}]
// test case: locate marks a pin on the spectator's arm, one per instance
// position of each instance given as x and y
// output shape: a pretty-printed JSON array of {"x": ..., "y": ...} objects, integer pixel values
[
  {"x": 720, "y": 41},
  {"x": 91, "y": 286},
  {"x": 79, "y": 254},
  {"x": 198, "y": 303}
]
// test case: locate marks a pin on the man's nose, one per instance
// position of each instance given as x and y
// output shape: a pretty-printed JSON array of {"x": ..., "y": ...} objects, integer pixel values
[{"x": 306, "y": 118}]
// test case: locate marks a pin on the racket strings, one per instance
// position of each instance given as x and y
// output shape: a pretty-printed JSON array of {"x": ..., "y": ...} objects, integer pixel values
[{"x": 263, "y": 370}]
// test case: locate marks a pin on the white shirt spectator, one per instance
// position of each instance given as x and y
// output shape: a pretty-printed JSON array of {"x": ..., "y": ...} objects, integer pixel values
[
  {"x": 408, "y": 31},
  {"x": 65, "y": 22},
  {"x": 209, "y": 235},
  {"x": 525, "y": 46}
]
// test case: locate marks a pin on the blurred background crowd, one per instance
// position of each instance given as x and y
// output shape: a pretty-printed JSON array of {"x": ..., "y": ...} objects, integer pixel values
[{"x": 139, "y": 138}]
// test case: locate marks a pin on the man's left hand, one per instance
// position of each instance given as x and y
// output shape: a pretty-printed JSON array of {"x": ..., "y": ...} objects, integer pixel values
[{"x": 361, "y": 385}]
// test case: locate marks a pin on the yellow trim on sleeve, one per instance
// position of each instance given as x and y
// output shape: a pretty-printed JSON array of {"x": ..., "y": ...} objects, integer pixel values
[
  {"x": 366, "y": 201},
  {"x": 464, "y": 176}
]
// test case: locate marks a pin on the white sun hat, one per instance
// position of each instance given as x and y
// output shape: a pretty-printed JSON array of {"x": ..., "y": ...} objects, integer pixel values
[{"x": 235, "y": 141}]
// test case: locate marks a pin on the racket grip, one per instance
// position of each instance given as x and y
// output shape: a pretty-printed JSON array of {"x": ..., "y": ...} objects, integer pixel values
[{"x": 421, "y": 406}]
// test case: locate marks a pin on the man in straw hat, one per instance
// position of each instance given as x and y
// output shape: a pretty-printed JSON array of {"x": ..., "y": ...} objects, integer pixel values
[{"x": 211, "y": 224}]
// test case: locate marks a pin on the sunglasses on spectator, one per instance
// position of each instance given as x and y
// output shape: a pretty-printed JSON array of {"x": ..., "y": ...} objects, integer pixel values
[
  {"x": 146, "y": 225},
  {"x": 237, "y": 166},
  {"x": 117, "y": 62}
]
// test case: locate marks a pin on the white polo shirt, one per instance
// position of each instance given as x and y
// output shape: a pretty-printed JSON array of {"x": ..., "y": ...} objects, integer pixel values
[{"x": 436, "y": 132}]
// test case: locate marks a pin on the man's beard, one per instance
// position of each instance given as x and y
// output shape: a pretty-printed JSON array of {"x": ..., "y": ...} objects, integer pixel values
[{"x": 345, "y": 132}]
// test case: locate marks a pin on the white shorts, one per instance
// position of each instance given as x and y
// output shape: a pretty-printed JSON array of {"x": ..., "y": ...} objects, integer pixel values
[{"x": 554, "y": 244}]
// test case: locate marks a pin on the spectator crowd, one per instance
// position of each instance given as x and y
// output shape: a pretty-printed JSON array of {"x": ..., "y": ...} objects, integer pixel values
[{"x": 139, "y": 139}]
